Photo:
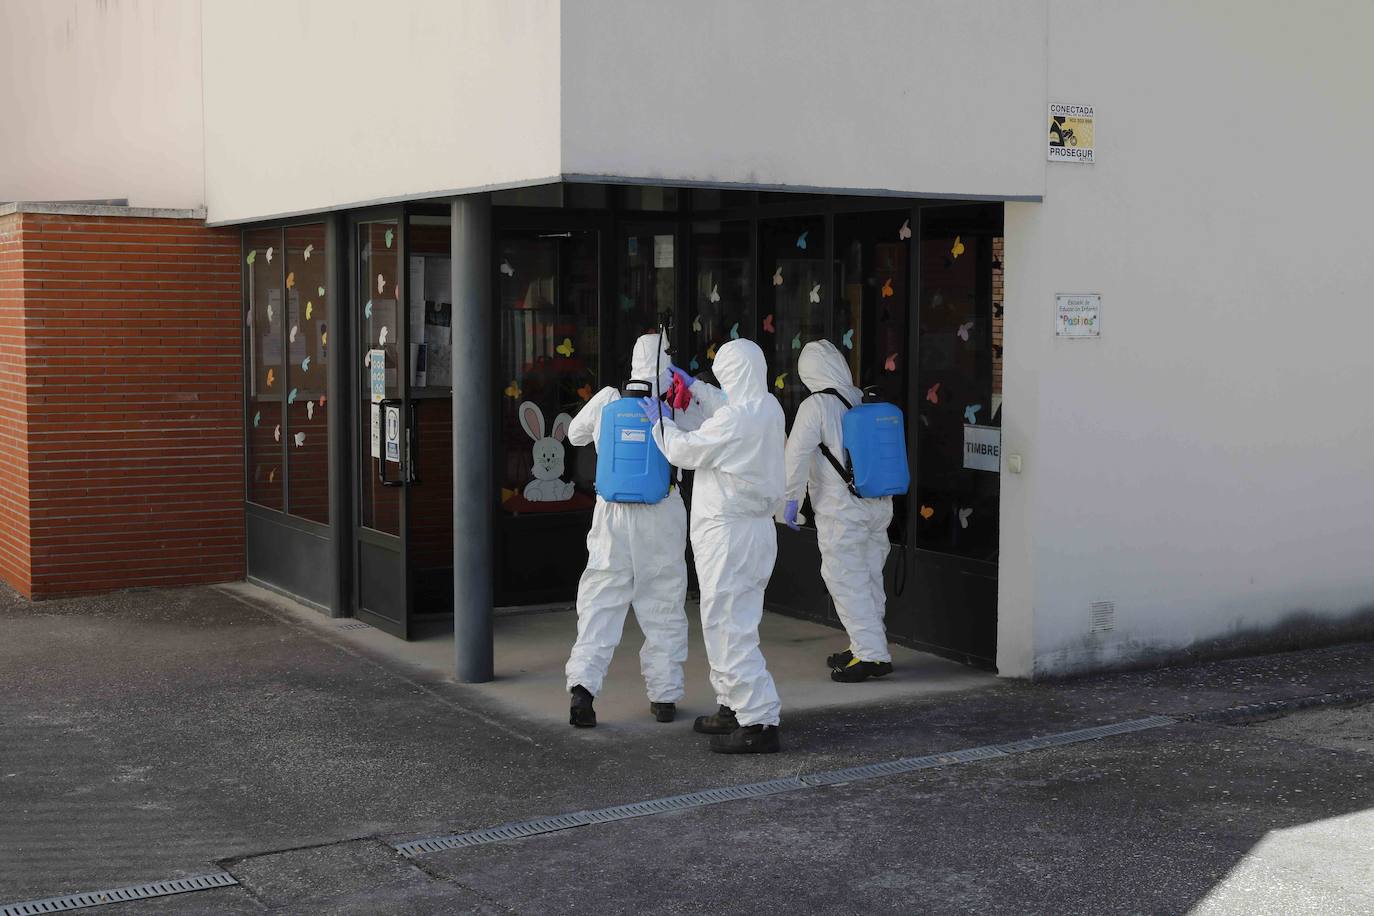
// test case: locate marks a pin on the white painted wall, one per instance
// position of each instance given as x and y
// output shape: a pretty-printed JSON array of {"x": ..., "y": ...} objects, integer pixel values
[
  {"x": 100, "y": 99},
  {"x": 313, "y": 104},
  {"x": 908, "y": 95},
  {"x": 1209, "y": 463}
]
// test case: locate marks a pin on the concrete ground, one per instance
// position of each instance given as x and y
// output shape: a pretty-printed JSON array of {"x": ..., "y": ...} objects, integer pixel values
[{"x": 148, "y": 735}]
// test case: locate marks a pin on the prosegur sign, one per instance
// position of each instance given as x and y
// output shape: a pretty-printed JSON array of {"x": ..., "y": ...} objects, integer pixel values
[{"x": 1071, "y": 133}]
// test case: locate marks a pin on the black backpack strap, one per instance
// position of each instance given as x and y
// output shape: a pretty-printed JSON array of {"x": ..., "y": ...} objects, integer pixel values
[{"x": 846, "y": 474}]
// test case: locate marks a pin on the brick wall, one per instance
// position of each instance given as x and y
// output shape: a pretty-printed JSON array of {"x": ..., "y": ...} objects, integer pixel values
[
  {"x": 132, "y": 380},
  {"x": 14, "y": 455}
]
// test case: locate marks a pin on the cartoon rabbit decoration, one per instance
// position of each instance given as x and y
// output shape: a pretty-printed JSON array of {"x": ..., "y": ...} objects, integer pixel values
[{"x": 548, "y": 485}]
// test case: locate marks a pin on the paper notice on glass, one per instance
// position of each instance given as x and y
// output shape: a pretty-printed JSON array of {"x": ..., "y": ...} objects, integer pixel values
[
  {"x": 417, "y": 365},
  {"x": 439, "y": 344},
  {"x": 376, "y": 430},
  {"x": 416, "y": 298},
  {"x": 663, "y": 251},
  {"x": 438, "y": 279},
  {"x": 376, "y": 364}
]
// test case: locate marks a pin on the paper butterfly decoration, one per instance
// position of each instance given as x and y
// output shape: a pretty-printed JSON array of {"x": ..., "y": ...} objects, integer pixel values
[
  {"x": 696, "y": 324},
  {"x": 252, "y": 256},
  {"x": 309, "y": 250},
  {"x": 381, "y": 284},
  {"x": 964, "y": 329},
  {"x": 309, "y": 308},
  {"x": 848, "y": 339},
  {"x": 711, "y": 352},
  {"x": 248, "y": 319},
  {"x": 507, "y": 269},
  {"x": 310, "y": 410},
  {"x": 963, "y": 517},
  {"x": 367, "y": 309},
  {"x": 957, "y": 248},
  {"x": 777, "y": 277},
  {"x": 888, "y": 292},
  {"x": 305, "y": 364},
  {"x": 257, "y": 418},
  {"x": 291, "y": 336},
  {"x": 768, "y": 323},
  {"x": 300, "y": 439},
  {"x": 891, "y": 364},
  {"x": 780, "y": 382},
  {"x": 276, "y": 433},
  {"x": 319, "y": 290},
  {"x": 321, "y": 400},
  {"x": 904, "y": 233},
  {"x": 927, "y": 512},
  {"x": 971, "y": 413},
  {"x": 324, "y": 338},
  {"x": 513, "y": 390},
  {"x": 585, "y": 392},
  {"x": 291, "y": 279},
  {"x": 801, "y": 240},
  {"x": 271, "y": 377},
  {"x": 269, "y": 255},
  {"x": 925, "y": 421},
  {"x": 796, "y": 342},
  {"x": 816, "y": 293},
  {"x": 390, "y": 234},
  {"x": 271, "y": 475},
  {"x": 694, "y": 365},
  {"x": 714, "y": 295},
  {"x": 291, "y": 396},
  {"x": 626, "y": 303},
  {"x": 566, "y": 348},
  {"x": 381, "y": 337},
  {"x": 269, "y": 313},
  {"x": 734, "y": 331},
  {"x": 933, "y": 395},
  {"x": 367, "y": 359}
]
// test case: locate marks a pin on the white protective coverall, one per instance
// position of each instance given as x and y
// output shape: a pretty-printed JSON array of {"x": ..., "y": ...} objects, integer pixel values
[
  {"x": 851, "y": 531},
  {"x": 738, "y": 457},
  {"x": 636, "y": 555}
]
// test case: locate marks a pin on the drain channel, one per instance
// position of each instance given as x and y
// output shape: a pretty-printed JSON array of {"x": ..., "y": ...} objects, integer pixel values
[
  {"x": 544, "y": 825},
  {"x": 119, "y": 895}
]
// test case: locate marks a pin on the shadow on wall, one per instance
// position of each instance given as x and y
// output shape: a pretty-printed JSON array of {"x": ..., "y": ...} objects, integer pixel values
[{"x": 1301, "y": 629}]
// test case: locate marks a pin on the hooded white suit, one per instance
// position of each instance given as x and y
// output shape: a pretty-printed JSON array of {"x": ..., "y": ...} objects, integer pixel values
[
  {"x": 738, "y": 457},
  {"x": 851, "y": 532},
  {"x": 636, "y": 555}
]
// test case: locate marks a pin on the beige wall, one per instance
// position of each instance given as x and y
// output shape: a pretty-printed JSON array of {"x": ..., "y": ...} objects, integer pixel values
[
  {"x": 100, "y": 99},
  {"x": 923, "y": 96},
  {"x": 312, "y": 104},
  {"x": 1206, "y": 464}
]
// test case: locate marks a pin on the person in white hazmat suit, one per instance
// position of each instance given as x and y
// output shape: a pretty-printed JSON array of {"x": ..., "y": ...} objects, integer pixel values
[
  {"x": 636, "y": 555},
  {"x": 737, "y": 454},
  {"x": 851, "y": 531}
]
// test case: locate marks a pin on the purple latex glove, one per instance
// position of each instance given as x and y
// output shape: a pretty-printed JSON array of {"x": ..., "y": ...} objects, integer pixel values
[
  {"x": 789, "y": 515},
  {"x": 650, "y": 406},
  {"x": 682, "y": 377}
]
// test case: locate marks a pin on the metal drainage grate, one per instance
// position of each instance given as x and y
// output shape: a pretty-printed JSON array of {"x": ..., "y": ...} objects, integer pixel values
[
  {"x": 119, "y": 895},
  {"x": 354, "y": 626},
  {"x": 771, "y": 787}
]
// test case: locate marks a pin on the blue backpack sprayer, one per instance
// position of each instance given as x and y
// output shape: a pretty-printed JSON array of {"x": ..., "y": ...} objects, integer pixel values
[{"x": 629, "y": 466}]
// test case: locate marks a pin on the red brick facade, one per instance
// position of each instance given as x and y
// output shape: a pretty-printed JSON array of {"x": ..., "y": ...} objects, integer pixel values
[{"x": 120, "y": 339}]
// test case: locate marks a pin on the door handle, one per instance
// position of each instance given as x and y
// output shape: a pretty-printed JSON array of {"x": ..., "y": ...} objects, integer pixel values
[{"x": 413, "y": 445}]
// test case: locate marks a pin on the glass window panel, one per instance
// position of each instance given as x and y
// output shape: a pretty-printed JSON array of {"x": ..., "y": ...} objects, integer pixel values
[
  {"x": 704, "y": 199},
  {"x": 635, "y": 197},
  {"x": 647, "y": 289},
  {"x": 264, "y": 319},
  {"x": 378, "y": 282},
  {"x": 957, "y": 384},
  {"x": 794, "y": 301},
  {"x": 871, "y": 293},
  {"x": 540, "y": 195},
  {"x": 307, "y": 408},
  {"x": 548, "y": 297},
  {"x": 722, "y": 290}
]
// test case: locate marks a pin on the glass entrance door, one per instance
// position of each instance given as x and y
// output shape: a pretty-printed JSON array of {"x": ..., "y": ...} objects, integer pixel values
[
  {"x": 549, "y": 364},
  {"x": 382, "y": 422}
]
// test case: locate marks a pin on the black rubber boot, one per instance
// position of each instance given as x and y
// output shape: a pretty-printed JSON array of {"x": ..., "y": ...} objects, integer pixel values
[
  {"x": 856, "y": 671},
  {"x": 581, "y": 714},
  {"x": 748, "y": 739},
  {"x": 720, "y": 722},
  {"x": 839, "y": 659},
  {"x": 663, "y": 712}
]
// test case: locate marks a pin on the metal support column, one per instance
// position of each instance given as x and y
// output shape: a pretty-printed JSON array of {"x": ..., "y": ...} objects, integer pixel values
[{"x": 473, "y": 398}]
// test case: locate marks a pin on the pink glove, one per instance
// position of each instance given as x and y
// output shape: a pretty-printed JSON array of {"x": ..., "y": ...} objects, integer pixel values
[{"x": 679, "y": 397}]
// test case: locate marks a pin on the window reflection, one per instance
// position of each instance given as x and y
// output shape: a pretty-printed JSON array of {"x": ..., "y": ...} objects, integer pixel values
[
  {"x": 721, "y": 291},
  {"x": 264, "y": 319},
  {"x": 794, "y": 301},
  {"x": 307, "y": 346},
  {"x": 647, "y": 293}
]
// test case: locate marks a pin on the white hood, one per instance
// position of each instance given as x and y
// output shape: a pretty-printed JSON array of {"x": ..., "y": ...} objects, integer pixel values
[
  {"x": 651, "y": 350},
  {"x": 742, "y": 371},
  {"x": 822, "y": 366}
]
